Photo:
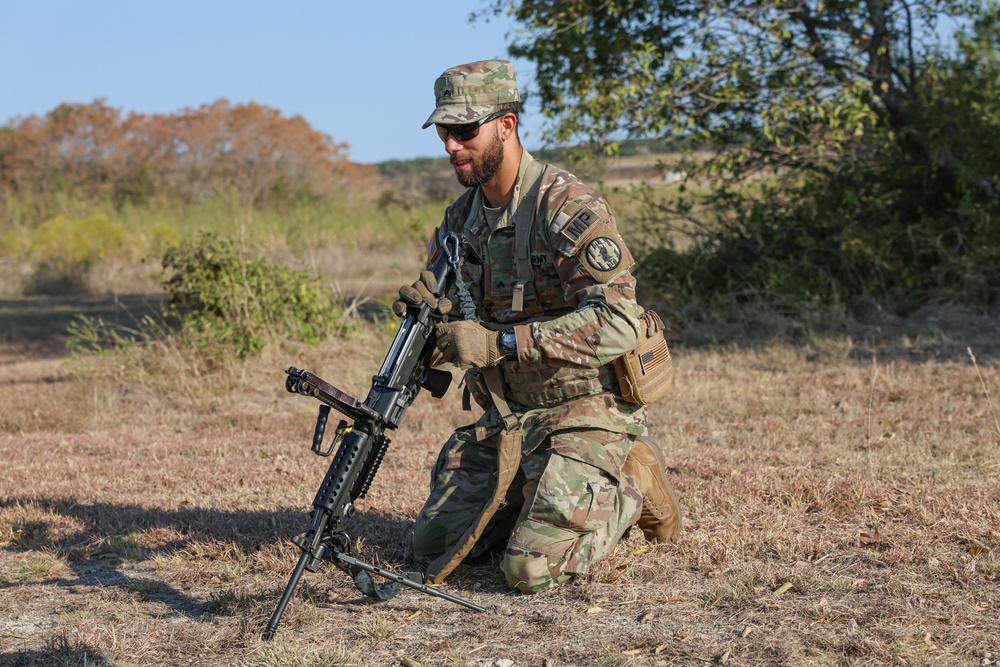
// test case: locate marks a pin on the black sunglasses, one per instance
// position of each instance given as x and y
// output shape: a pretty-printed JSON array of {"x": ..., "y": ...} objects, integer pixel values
[{"x": 467, "y": 131}]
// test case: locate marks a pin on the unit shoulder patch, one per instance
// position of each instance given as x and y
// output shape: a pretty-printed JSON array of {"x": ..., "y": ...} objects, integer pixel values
[
  {"x": 433, "y": 247},
  {"x": 604, "y": 257},
  {"x": 603, "y": 254}
]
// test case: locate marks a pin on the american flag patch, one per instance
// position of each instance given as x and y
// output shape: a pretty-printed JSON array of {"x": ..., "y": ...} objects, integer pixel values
[
  {"x": 654, "y": 357},
  {"x": 432, "y": 248}
]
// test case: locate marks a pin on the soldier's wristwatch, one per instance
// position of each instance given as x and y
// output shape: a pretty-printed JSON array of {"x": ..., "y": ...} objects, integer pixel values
[{"x": 508, "y": 345}]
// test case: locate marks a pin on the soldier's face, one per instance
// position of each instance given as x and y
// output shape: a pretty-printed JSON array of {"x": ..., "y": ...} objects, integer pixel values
[{"x": 478, "y": 160}]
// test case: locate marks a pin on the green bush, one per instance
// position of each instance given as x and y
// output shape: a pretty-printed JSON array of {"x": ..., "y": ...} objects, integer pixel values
[
  {"x": 14, "y": 244},
  {"x": 218, "y": 292},
  {"x": 853, "y": 242}
]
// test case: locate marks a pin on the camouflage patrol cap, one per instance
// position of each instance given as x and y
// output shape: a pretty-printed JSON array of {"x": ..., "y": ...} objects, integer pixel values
[{"x": 466, "y": 93}]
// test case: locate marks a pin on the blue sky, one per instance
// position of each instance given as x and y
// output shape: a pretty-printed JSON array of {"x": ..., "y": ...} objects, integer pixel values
[{"x": 360, "y": 71}]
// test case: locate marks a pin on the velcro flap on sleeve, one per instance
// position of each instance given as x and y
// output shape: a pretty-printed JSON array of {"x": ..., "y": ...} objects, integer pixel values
[{"x": 574, "y": 223}]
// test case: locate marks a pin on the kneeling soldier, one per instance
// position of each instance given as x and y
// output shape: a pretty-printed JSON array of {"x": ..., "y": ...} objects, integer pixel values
[{"x": 556, "y": 469}]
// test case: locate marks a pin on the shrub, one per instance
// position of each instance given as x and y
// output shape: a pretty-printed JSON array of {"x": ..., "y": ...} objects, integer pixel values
[
  {"x": 163, "y": 237},
  {"x": 219, "y": 292},
  {"x": 858, "y": 242},
  {"x": 14, "y": 244}
]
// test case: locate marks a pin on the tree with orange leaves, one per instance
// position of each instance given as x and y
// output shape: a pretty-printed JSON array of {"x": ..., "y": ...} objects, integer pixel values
[{"x": 97, "y": 151}]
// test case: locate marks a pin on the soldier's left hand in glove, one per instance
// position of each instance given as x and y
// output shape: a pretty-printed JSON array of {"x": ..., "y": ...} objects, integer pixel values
[
  {"x": 421, "y": 291},
  {"x": 466, "y": 343}
]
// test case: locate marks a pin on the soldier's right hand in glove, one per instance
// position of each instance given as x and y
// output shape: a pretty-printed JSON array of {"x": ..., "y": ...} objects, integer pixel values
[
  {"x": 468, "y": 344},
  {"x": 419, "y": 292}
]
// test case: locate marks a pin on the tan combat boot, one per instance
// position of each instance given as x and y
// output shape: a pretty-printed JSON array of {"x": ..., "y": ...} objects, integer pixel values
[{"x": 660, "y": 520}]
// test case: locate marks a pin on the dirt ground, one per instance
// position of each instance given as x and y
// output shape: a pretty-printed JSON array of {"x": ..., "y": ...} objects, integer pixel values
[{"x": 841, "y": 492}]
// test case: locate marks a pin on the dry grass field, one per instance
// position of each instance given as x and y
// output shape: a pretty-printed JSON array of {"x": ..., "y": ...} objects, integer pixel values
[{"x": 842, "y": 499}]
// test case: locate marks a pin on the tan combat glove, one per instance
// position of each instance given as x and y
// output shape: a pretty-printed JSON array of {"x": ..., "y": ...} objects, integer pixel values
[
  {"x": 419, "y": 292},
  {"x": 466, "y": 343}
]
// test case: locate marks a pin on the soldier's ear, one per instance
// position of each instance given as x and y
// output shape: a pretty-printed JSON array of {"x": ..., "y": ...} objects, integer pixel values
[{"x": 508, "y": 124}]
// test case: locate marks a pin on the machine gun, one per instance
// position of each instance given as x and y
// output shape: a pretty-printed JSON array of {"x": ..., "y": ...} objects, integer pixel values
[{"x": 361, "y": 445}]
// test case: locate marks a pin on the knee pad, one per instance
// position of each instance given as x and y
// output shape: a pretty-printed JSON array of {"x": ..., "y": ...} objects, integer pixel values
[
  {"x": 540, "y": 556},
  {"x": 531, "y": 573}
]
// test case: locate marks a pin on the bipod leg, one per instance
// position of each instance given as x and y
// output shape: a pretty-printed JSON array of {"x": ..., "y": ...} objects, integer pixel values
[
  {"x": 350, "y": 561},
  {"x": 272, "y": 625}
]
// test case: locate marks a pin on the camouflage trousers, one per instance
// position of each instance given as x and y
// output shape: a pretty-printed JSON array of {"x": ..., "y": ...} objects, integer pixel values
[{"x": 567, "y": 508}]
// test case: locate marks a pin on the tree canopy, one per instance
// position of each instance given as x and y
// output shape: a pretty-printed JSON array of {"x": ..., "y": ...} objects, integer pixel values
[
  {"x": 96, "y": 150},
  {"x": 853, "y": 116}
]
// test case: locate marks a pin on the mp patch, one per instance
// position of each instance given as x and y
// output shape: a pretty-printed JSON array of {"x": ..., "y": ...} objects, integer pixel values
[{"x": 580, "y": 223}]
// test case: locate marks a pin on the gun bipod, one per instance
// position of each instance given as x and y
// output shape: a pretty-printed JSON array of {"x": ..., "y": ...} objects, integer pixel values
[
  {"x": 337, "y": 547},
  {"x": 348, "y": 562}
]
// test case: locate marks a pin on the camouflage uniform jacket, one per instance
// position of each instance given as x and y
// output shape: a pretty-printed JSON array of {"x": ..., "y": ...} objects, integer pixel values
[{"x": 579, "y": 311}]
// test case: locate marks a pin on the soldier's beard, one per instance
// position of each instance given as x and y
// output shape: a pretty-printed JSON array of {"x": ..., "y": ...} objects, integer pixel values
[{"x": 485, "y": 167}]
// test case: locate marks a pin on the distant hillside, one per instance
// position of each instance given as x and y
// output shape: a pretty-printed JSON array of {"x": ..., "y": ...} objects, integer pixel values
[{"x": 640, "y": 160}]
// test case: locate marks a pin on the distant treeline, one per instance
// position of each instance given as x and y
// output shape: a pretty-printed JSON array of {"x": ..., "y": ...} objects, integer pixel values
[{"x": 95, "y": 150}]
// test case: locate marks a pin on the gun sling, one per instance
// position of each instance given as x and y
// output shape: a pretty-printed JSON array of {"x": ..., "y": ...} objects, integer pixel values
[{"x": 508, "y": 463}]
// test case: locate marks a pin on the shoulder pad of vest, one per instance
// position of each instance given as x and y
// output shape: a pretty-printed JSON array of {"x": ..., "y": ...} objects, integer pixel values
[{"x": 456, "y": 214}]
